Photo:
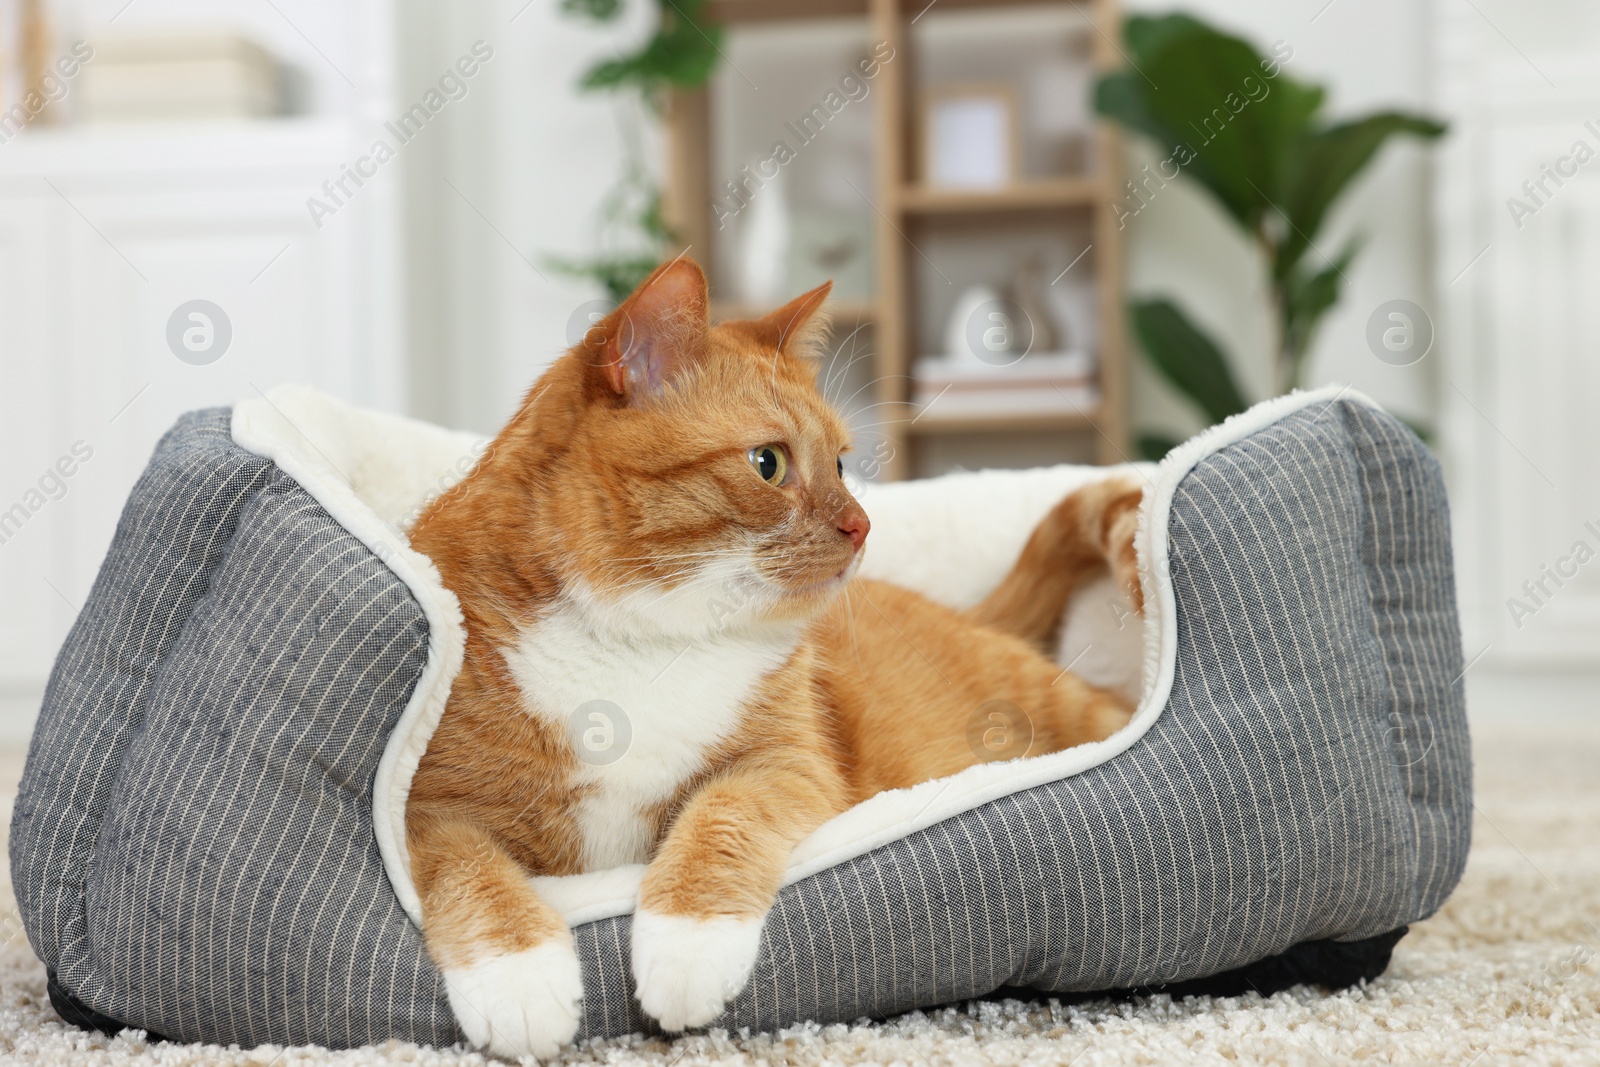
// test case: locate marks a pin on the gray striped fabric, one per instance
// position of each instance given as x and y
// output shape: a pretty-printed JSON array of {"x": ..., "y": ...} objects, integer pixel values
[
  {"x": 193, "y": 848},
  {"x": 192, "y": 845}
]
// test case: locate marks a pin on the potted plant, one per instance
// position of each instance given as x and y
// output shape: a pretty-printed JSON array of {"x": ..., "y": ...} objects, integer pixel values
[
  {"x": 681, "y": 53},
  {"x": 1255, "y": 139}
]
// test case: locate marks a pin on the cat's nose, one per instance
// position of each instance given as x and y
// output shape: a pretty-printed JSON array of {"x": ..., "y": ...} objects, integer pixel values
[{"x": 854, "y": 524}]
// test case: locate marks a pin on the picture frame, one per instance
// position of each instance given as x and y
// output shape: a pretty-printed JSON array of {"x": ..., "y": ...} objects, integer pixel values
[{"x": 970, "y": 136}]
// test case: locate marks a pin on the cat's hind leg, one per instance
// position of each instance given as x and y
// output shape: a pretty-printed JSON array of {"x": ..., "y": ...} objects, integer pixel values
[
  {"x": 510, "y": 971},
  {"x": 1090, "y": 530}
]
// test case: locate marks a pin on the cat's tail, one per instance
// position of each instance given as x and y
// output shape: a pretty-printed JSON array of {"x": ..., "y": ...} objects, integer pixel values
[{"x": 1088, "y": 532}]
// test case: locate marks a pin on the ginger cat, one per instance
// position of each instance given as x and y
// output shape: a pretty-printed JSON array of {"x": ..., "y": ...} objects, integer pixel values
[{"x": 658, "y": 473}]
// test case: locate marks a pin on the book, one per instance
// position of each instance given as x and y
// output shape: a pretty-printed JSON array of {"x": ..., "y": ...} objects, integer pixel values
[
  {"x": 1043, "y": 367},
  {"x": 1026, "y": 402},
  {"x": 146, "y": 76}
]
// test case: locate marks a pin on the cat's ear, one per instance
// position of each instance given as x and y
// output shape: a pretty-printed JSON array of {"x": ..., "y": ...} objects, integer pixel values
[
  {"x": 657, "y": 331},
  {"x": 798, "y": 328}
]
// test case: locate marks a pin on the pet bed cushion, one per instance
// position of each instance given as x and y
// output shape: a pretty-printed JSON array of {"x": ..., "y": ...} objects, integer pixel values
[{"x": 208, "y": 842}]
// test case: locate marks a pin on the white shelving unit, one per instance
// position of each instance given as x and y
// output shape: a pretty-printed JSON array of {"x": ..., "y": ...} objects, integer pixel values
[{"x": 858, "y": 181}]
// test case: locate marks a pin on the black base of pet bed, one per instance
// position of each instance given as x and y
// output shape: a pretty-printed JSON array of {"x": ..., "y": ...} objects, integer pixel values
[
  {"x": 1331, "y": 964},
  {"x": 1334, "y": 965},
  {"x": 74, "y": 1011}
]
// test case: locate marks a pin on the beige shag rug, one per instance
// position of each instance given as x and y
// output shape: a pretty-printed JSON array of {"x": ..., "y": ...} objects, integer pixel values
[{"x": 1508, "y": 971}]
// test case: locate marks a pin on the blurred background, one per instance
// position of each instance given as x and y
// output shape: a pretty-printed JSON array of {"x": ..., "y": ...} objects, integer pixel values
[{"x": 1060, "y": 230}]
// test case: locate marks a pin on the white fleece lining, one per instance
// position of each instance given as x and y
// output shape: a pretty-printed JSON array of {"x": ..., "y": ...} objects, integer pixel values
[{"x": 303, "y": 432}]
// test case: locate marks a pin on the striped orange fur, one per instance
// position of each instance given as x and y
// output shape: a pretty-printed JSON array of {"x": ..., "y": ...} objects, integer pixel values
[{"x": 622, "y": 561}]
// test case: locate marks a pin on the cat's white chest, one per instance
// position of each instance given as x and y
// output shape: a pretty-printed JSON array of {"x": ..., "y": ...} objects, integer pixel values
[{"x": 641, "y": 712}]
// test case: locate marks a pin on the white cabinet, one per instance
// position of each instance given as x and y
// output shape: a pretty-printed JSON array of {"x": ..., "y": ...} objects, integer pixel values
[
  {"x": 1519, "y": 319},
  {"x": 32, "y": 278},
  {"x": 102, "y": 237},
  {"x": 106, "y": 230}
]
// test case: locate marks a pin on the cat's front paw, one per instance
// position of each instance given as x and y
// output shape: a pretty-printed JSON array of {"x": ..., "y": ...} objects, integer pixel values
[
  {"x": 688, "y": 969},
  {"x": 520, "y": 1003}
]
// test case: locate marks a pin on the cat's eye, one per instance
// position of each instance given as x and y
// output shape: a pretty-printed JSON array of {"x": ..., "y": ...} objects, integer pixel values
[
  {"x": 770, "y": 462},
  {"x": 840, "y": 462}
]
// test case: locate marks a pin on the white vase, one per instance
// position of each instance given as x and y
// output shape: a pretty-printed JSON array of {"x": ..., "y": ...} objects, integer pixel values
[
  {"x": 764, "y": 245},
  {"x": 978, "y": 332}
]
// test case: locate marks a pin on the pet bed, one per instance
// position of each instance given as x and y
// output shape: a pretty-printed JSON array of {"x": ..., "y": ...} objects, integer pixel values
[{"x": 208, "y": 842}]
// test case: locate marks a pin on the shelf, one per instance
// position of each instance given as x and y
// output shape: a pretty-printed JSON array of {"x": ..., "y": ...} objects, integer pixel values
[
  {"x": 741, "y": 11},
  {"x": 1056, "y": 193},
  {"x": 844, "y": 311},
  {"x": 915, "y": 7},
  {"x": 173, "y": 155},
  {"x": 1063, "y": 421},
  {"x": 745, "y": 11}
]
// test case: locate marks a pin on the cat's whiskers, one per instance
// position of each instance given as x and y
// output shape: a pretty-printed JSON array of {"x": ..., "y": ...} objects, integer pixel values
[
  {"x": 879, "y": 404},
  {"x": 869, "y": 429},
  {"x": 689, "y": 585},
  {"x": 684, "y": 584},
  {"x": 845, "y": 403},
  {"x": 690, "y": 601},
  {"x": 649, "y": 567},
  {"x": 832, "y": 378},
  {"x": 667, "y": 565},
  {"x": 879, "y": 422},
  {"x": 661, "y": 558},
  {"x": 850, "y": 622},
  {"x": 640, "y": 577},
  {"x": 652, "y": 583}
]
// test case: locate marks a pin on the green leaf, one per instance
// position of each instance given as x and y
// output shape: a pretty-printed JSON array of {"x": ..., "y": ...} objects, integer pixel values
[
  {"x": 598, "y": 10},
  {"x": 1119, "y": 96},
  {"x": 1307, "y": 296},
  {"x": 669, "y": 59},
  {"x": 1211, "y": 94},
  {"x": 683, "y": 52},
  {"x": 653, "y": 222},
  {"x": 1250, "y": 135},
  {"x": 1154, "y": 446},
  {"x": 1327, "y": 162},
  {"x": 1424, "y": 433},
  {"x": 1187, "y": 358},
  {"x": 620, "y": 275},
  {"x": 1147, "y": 35}
]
